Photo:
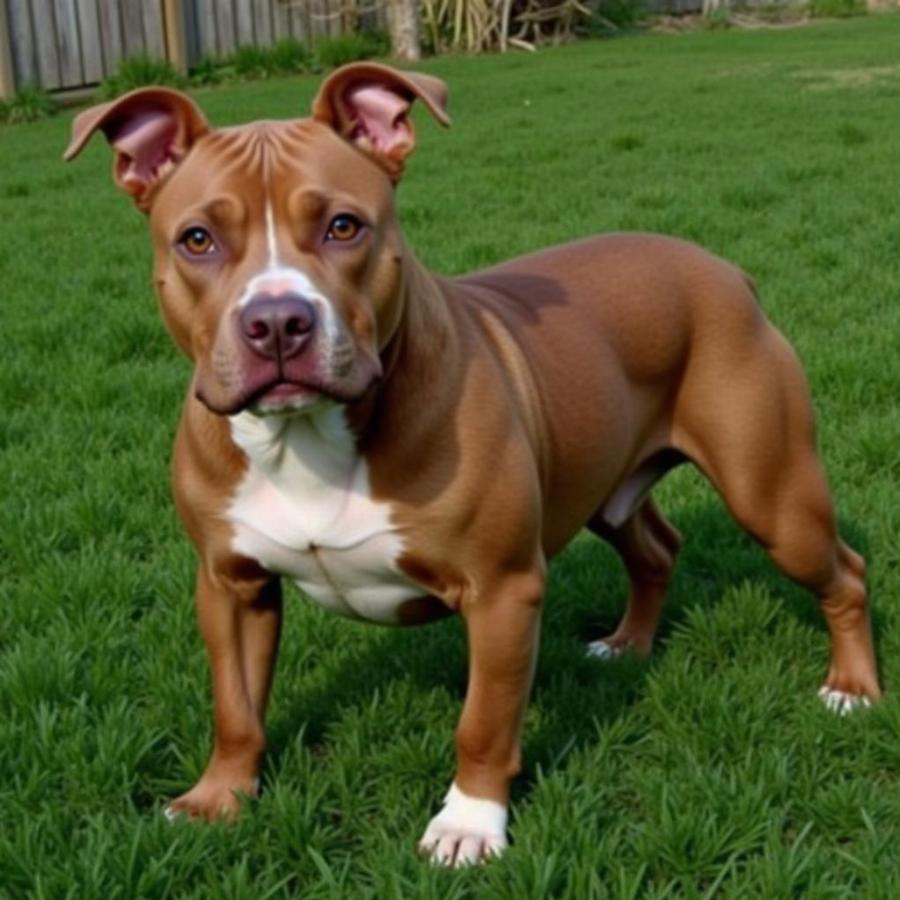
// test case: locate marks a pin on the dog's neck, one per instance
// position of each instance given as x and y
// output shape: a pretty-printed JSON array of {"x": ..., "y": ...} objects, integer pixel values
[{"x": 421, "y": 352}]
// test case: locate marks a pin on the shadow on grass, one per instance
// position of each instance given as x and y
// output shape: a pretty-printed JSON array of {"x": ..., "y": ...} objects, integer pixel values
[{"x": 574, "y": 696}]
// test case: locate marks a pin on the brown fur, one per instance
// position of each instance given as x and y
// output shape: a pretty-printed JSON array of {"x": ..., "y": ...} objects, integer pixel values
[{"x": 515, "y": 406}]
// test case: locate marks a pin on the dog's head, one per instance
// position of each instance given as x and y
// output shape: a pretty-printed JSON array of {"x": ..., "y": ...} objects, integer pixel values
[{"x": 278, "y": 258}]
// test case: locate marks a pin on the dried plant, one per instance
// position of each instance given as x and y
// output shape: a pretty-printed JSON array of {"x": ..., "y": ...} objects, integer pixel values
[
  {"x": 473, "y": 26},
  {"x": 470, "y": 26}
]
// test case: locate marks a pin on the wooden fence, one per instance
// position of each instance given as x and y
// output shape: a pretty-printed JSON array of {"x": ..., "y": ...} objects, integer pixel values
[
  {"x": 217, "y": 27},
  {"x": 60, "y": 44}
]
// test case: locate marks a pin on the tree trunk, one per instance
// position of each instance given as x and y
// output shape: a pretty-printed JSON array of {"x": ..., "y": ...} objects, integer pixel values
[{"x": 403, "y": 25}]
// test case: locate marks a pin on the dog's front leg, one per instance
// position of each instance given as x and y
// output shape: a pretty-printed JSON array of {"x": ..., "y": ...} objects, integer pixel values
[
  {"x": 240, "y": 620},
  {"x": 503, "y": 625}
]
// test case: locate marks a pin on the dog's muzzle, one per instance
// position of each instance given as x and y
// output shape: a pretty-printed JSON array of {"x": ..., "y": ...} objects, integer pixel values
[{"x": 277, "y": 327}]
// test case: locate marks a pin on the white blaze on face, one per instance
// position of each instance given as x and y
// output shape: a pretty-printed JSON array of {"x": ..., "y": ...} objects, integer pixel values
[
  {"x": 276, "y": 279},
  {"x": 271, "y": 239}
]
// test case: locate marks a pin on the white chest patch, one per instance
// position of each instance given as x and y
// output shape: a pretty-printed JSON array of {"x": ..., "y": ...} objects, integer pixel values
[{"x": 304, "y": 510}]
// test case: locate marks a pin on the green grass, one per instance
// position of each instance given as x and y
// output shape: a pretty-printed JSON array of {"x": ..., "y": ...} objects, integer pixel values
[{"x": 710, "y": 770}]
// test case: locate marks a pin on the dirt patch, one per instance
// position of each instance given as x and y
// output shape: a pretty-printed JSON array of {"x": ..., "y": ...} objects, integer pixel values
[
  {"x": 780, "y": 20},
  {"x": 847, "y": 79}
]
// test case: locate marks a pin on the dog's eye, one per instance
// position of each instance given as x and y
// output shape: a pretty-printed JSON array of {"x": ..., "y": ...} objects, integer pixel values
[
  {"x": 197, "y": 241},
  {"x": 343, "y": 228}
]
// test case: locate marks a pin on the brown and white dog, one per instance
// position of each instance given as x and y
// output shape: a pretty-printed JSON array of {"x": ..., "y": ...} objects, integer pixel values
[{"x": 404, "y": 446}]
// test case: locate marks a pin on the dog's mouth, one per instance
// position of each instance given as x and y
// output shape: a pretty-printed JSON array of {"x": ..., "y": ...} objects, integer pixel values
[
  {"x": 287, "y": 395},
  {"x": 228, "y": 386},
  {"x": 283, "y": 396}
]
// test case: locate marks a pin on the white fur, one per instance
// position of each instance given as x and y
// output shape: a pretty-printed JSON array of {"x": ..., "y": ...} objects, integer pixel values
[
  {"x": 841, "y": 702},
  {"x": 271, "y": 240},
  {"x": 466, "y": 831},
  {"x": 304, "y": 510},
  {"x": 278, "y": 279},
  {"x": 600, "y": 649}
]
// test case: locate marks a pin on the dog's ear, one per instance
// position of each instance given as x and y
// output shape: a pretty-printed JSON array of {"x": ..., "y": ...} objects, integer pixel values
[
  {"x": 368, "y": 104},
  {"x": 151, "y": 130}
]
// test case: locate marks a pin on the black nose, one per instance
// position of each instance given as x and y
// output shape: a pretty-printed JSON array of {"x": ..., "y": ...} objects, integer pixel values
[{"x": 277, "y": 327}]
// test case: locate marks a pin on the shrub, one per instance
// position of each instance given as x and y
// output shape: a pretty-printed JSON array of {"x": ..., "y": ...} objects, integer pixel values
[
  {"x": 289, "y": 55},
  {"x": 717, "y": 19},
  {"x": 29, "y": 104},
  {"x": 347, "y": 48},
  {"x": 251, "y": 61},
  {"x": 836, "y": 9},
  {"x": 208, "y": 70},
  {"x": 139, "y": 71},
  {"x": 610, "y": 16}
]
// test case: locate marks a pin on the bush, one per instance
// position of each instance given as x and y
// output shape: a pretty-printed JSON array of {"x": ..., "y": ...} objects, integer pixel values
[
  {"x": 717, "y": 19},
  {"x": 29, "y": 104},
  {"x": 836, "y": 9},
  {"x": 347, "y": 48},
  {"x": 289, "y": 55},
  {"x": 208, "y": 70},
  {"x": 139, "y": 71},
  {"x": 610, "y": 16},
  {"x": 251, "y": 61}
]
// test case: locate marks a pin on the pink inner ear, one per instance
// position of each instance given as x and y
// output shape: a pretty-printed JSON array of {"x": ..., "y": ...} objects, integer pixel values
[
  {"x": 380, "y": 116},
  {"x": 145, "y": 144}
]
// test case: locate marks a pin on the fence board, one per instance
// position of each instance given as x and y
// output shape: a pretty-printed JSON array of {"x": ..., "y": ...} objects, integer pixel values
[
  {"x": 176, "y": 25},
  {"x": 45, "y": 43},
  {"x": 110, "y": 18},
  {"x": 243, "y": 23},
  {"x": 311, "y": 12},
  {"x": 261, "y": 11},
  {"x": 208, "y": 40},
  {"x": 154, "y": 30},
  {"x": 25, "y": 67},
  {"x": 225, "y": 26},
  {"x": 132, "y": 27},
  {"x": 301, "y": 23},
  {"x": 92, "y": 57},
  {"x": 7, "y": 66},
  {"x": 67, "y": 42},
  {"x": 281, "y": 19},
  {"x": 316, "y": 16}
]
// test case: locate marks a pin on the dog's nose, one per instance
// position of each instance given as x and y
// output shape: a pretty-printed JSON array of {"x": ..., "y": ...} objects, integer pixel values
[{"x": 277, "y": 327}]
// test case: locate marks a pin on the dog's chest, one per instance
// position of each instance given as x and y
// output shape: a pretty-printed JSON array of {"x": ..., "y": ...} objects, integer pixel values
[{"x": 304, "y": 510}]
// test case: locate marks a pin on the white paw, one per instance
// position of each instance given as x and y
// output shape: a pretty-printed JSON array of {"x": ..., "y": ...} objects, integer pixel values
[
  {"x": 600, "y": 649},
  {"x": 841, "y": 702},
  {"x": 467, "y": 831}
]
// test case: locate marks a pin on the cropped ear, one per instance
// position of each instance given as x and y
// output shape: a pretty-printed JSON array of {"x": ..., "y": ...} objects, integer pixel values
[
  {"x": 151, "y": 130},
  {"x": 368, "y": 104}
]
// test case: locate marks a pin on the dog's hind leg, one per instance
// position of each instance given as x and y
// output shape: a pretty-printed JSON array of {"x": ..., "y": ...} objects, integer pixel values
[
  {"x": 751, "y": 431},
  {"x": 648, "y": 545}
]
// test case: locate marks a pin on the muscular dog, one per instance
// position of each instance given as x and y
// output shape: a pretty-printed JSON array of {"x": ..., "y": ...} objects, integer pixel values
[{"x": 404, "y": 446}]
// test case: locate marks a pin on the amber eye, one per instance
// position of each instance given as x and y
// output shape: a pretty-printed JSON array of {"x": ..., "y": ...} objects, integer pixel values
[
  {"x": 197, "y": 241},
  {"x": 343, "y": 228}
]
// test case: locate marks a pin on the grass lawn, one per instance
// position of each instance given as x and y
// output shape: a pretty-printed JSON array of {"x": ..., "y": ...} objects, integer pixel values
[{"x": 710, "y": 770}]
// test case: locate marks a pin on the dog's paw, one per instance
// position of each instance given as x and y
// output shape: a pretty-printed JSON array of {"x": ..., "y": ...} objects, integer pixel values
[
  {"x": 602, "y": 649},
  {"x": 466, "y": 832},
  {"x": 211, "y": 799},
  {"x": 841, "y": 702}
]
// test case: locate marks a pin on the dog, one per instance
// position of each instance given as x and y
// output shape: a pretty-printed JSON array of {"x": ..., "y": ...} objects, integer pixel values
[{"x": 406, "y": 446}]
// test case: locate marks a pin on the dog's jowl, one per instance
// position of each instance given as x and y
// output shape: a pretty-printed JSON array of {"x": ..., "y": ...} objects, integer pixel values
[{"x": 406, "y": 446}]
